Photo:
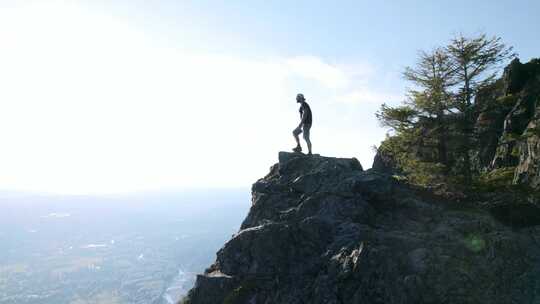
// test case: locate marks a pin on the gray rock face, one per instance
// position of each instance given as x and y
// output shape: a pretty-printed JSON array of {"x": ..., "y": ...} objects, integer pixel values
[
  {"x": 384, "y": 162},
  {"x": 522, "y": 82},
  {"x": 489, "y": 123},
  {"x": 322, "y": 230},
  {"x": 528, "y": 169}
]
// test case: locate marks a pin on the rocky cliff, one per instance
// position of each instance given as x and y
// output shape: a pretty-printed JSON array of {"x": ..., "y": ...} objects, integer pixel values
[
  {"x": 323, "y": 230},
  {"x": 506, "y": 133},
  {"x": 514, "y": 107}
]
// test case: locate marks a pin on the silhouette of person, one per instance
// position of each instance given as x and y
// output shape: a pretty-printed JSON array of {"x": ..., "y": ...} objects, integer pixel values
[{"x": 305, "y": 124}]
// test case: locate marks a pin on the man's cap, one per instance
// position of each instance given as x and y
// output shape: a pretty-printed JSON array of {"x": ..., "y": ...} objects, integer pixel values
[{"x": 300, "y": 95}]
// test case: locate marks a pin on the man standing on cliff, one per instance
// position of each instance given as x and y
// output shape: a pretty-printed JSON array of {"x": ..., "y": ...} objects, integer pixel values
[{"x": 305, "y": 124}]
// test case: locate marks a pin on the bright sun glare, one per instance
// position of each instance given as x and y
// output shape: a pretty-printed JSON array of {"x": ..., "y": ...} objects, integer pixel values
[{"x": 92, "y": 105}]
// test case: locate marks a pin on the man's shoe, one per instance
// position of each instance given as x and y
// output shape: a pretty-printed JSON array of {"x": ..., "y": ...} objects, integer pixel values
[{"x": 297, "y": 149}]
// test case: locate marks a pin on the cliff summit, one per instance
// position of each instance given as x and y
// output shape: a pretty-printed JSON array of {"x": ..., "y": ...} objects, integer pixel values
[{"x": 323, "y": 230}]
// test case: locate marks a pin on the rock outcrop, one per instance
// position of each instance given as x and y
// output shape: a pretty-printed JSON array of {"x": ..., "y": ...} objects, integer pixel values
[
  {"x": 384, "y": 162},
  {"x": 528, "y": 169},
  {"x": 522, "y": 92},
  {"x": 323, "y": 230},
  {"x": 506, "y": 133}
]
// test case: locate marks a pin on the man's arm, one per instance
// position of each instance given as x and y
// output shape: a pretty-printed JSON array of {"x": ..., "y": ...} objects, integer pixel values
[
  {"x": 302, "y": 117},
  {"x": 302, "y": 120}
]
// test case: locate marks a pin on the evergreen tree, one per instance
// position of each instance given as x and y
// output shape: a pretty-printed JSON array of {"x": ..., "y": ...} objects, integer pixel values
[
  {"x": 421, "y": 122},
  {"x": 434, "y": 75},
  {"x": 474, "y": 60}
]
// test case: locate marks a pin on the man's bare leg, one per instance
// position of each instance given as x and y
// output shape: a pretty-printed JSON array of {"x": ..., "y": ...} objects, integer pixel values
[
  {"x": 306, "y": 133},
  {"x": 295, "y": 133},
  {"x": 308, "y": 141}
]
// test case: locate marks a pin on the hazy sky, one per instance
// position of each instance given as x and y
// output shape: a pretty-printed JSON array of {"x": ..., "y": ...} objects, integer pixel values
[{"x": 121, "y": 96}]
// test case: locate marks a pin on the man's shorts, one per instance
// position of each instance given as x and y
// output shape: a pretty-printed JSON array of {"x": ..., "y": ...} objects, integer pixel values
[{"x": 305, "y": 129}]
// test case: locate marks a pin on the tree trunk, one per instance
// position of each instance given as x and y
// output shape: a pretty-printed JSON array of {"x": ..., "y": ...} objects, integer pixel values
[
  {"x": 467, "y": 130},
  {"x": 441, "y": 146}
]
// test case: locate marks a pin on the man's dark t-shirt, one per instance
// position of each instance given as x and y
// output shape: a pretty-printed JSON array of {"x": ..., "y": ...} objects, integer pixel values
[{"x": 305, "y": 112}]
